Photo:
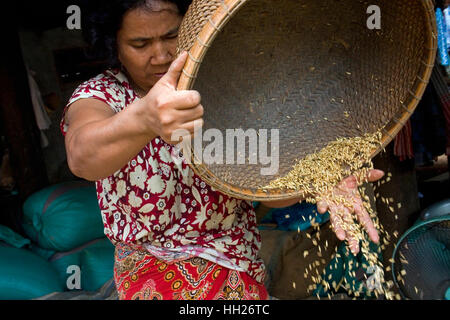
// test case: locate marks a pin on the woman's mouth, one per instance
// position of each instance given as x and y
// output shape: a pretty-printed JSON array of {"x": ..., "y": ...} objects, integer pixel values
[{"x": 159, "y": 75}]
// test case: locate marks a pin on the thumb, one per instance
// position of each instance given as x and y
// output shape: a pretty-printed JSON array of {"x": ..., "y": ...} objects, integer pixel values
[
  {"x": 173, "y": 74},
  {"x": 375, "y": 175}
]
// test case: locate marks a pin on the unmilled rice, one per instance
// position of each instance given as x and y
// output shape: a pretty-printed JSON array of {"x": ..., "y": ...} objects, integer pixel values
[{"x": 319, "y": 173}]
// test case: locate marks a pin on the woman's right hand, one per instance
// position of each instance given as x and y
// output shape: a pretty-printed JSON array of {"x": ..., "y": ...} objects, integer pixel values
[{"x": 165, "y": 111}]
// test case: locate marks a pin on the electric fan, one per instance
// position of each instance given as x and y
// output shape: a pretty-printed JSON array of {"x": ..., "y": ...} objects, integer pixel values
[{"x": 421, "y": 259}]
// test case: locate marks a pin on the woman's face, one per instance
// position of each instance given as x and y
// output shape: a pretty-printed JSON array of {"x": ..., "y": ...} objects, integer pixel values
[{"x": 147, "y": 42}]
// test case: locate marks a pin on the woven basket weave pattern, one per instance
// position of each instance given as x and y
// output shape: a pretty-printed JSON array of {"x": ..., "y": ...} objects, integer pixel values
[{"x": 311, "y": 69}]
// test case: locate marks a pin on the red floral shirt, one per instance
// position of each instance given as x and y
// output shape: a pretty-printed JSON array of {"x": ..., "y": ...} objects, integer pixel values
[{"x": 162, "y": 205}]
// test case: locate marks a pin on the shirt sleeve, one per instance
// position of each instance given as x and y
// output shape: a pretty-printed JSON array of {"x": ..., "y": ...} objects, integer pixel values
[{"x": 102, "y": 88}]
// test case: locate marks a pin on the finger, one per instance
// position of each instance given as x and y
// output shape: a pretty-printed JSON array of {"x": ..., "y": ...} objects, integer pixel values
[
  {"x": 366, "y": 221},
  {"x": 192, "y": 126},
  {"x": 348, "y": 183},
  {"x": 340, "y": 233},
  {"x": 189, "y": 115},
  {"x": 336, "y": 223},
  {"x": 375, "y": 175},
  {"x": 350, "y": 237},
  {"x": 173, "y": 74},
  {"x": 185, "y": 99},
  {"x": 322, "y": 206},
  {"x": 351, "y": 182},
  {"x": 353, "y": 245},
  {"x": 347, "y": 229},
  {"x": 184, "y": 131}
]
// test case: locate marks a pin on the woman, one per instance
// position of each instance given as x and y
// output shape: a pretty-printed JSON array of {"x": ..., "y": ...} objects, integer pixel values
[{"x": 175, "y": 236}]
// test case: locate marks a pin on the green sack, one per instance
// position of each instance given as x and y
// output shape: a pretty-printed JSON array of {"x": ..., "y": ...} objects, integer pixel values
[
  {"x": 24, "y": 275},
  {"x": 352, "y": 275},
  {"x": 64, "y": 216},
  {"x": 43, "y": 253},
  {"x": 93, "y": 263}
]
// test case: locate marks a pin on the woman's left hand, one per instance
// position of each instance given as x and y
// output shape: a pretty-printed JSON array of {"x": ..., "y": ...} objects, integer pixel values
[{"x": 340, "y": 213}]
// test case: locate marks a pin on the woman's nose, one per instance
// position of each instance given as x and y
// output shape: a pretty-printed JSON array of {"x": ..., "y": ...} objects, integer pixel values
[{"x": 161, "y": 54}]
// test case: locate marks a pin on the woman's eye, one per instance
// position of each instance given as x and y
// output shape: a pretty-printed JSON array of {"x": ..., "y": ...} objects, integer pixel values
[{"x": 138, "y": 46}]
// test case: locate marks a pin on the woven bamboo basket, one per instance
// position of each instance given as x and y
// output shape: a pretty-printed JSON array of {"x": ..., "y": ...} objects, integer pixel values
[{"x": 298, "y": 67}]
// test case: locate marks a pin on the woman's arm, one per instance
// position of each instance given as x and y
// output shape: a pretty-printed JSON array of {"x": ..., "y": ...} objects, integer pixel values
[{"x": 99, "y": 142}]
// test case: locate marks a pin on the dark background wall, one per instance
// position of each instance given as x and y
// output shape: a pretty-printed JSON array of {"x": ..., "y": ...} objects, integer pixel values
[{"x": 35, "y": 39}]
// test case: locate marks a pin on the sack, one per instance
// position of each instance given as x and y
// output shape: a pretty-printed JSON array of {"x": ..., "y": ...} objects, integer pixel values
[
  {"x": 12, "y": 238},
  {"x": 24, "y": 275},
  {"x": 350, "y": 274},
  {"x": 298, "y": 217},
  {"x": 43, "y": 253},
  {"x": 64, "y": 216},
  {"x": 285, "y": 261},
  {"x": 92, "y": 263}
]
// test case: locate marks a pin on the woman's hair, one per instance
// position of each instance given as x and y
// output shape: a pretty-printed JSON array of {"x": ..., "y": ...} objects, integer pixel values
[{"x": 101, "y": 20}]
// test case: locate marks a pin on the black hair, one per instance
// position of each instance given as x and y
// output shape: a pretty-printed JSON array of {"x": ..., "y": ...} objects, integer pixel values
[
  {"x": 101, "y": 20},
  {"x": 440, "y": 4}
]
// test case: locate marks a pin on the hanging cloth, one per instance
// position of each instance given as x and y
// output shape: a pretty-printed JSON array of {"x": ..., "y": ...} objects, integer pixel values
[
  {"x": 42, "y": 119},
  {"x": 441, "y": 87}
]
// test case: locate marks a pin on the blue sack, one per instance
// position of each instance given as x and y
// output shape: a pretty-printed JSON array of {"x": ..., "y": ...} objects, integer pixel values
[{"x": 298, "y": 217}]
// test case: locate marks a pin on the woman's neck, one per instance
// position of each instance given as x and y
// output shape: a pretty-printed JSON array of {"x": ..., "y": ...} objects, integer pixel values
[{"x": 136, "y": 88}]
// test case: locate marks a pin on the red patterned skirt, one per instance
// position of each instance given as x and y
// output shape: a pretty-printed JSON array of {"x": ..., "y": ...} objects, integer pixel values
[{"x": 141, "y": 276}]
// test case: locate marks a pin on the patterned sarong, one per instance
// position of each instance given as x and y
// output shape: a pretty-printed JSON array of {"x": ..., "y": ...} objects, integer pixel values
[{"x": 141, "y": 276}]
